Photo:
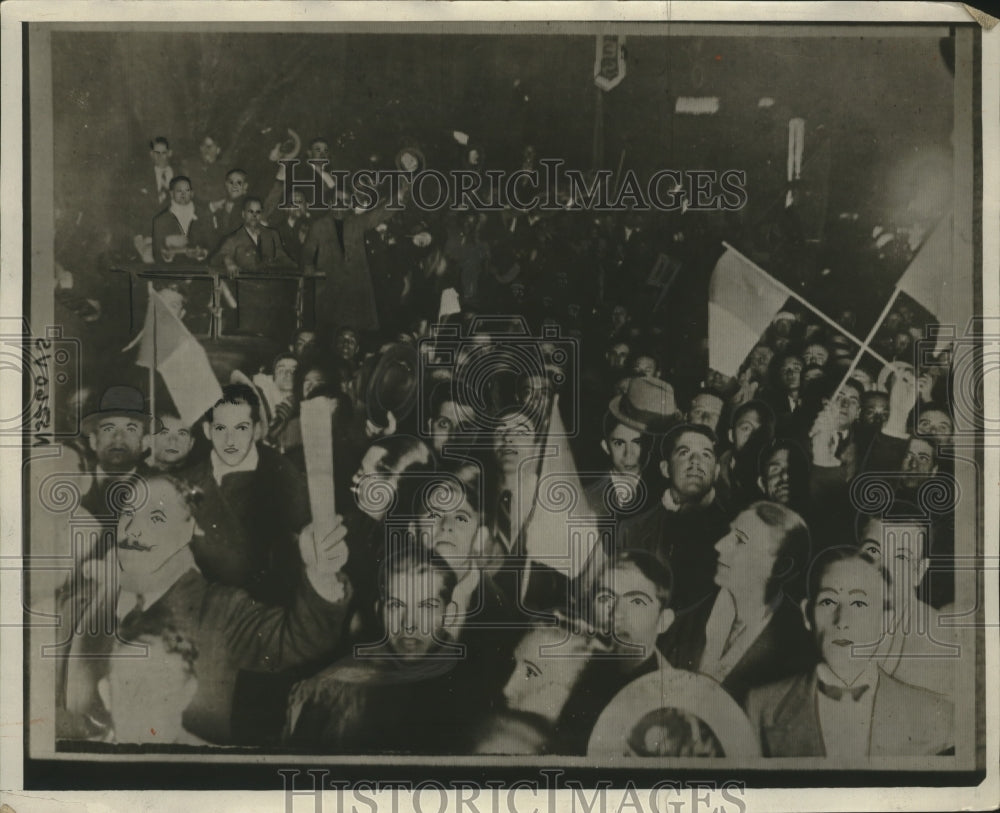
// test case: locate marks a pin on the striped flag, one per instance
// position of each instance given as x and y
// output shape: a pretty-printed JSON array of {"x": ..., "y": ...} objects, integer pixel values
[
  {"x": 168, "y": 347},
  {"x": 742, "y": 301}
]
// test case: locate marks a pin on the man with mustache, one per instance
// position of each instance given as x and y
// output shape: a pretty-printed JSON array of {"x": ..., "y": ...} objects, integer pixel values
[
  {"x": 847, "y": 707},
  {"x": 681, "y": 529},
  {"x": 152, "y": 573}
]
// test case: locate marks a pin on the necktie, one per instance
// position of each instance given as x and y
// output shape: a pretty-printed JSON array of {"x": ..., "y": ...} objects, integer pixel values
[
  {"x": 838, "y": 692},
  {"x": 260, "y": 249},
  {"x": 132, "y": 616},
  {"x": 734, "y": 633},
  {"x": 503, "y": 519}
]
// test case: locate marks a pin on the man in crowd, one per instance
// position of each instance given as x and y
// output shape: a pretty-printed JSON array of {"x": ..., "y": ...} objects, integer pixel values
[
  {"x": 629, "y": 428},
  {"x": 152, "y": 192},
  {"x": 751, "y": 430},
  {"x": 228, "y": 211},
  {"x": 631, "y": 608},
  {"x": 265, "y": 306},
  {"x": 255, "y": 503},
  {"x": 157, "y": 575},
  {"x": 847, "y": 708},
  {"x": 118, "y": 433},
  {"x": 682, "y": 528},
  {"x": 706, "y": 409},
  {"x": 208, "y": 172},
  {"x": 448, "y": 419},
  {"x": 183, "y": 231},
  {"x": 395, "y": 694},
  {"x": 919, "y": 648},
  {"x": 172, "y": 442},
  {"x": 751, "y": 632},
  {"x": 293, "y": 225}
]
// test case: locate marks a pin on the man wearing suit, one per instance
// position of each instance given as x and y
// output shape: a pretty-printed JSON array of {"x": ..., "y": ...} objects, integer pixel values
[
  {"x": 751, "y": 632},
  {"x": 265, "y": 306},
  {"x": 847, "y": 707},
  {"x": 253, "y": 246},
  {"x": 335, "y": 246},
  {"x": 158, "y": 576},
  {"x": 184, "y": 229},
  {"x": 688, "y": 519},
  {"x": 228, "y": 211},
  {"x": 151, "y": 189}
]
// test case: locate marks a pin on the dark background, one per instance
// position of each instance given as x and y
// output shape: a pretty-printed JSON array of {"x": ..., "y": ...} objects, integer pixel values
[{"x": 878, "y": 112}]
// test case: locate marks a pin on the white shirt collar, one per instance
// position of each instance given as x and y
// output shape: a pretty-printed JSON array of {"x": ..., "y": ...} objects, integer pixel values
[
  {"x": 672, "y": 505},
  {"x": 221, "y": 469}
]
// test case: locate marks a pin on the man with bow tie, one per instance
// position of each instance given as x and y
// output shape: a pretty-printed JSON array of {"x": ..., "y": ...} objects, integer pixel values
[
  {"x": 847, "y": 708},
  {"x": 152, "y": 570}
]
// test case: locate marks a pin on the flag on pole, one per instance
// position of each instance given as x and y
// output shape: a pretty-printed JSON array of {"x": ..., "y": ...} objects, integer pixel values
[
  {"x": 928, "y": 278},
  {"x": 742, "y": 301},
  {"x": 168, "y": 347},
  {"x": 561, "y": 531}
]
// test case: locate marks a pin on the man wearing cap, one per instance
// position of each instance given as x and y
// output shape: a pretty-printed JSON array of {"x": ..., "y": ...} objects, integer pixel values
[
  {"x": 682, "y": 528},
  {"x": 628, "y": 428},
  {"x": 118, "y": 433}
]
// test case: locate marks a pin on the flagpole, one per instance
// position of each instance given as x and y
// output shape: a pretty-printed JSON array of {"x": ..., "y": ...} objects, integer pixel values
[
  {"x": 805, "y": 302},
  {"x": 543, "y": 447},
  {"x": 868, "y": 338},
  {"x": 152, "y": 366}
]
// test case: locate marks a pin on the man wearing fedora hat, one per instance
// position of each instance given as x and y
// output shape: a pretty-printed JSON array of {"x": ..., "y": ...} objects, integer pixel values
[
  {"x": 118, "y": 433},
  {"x": 647, "y": 407}
]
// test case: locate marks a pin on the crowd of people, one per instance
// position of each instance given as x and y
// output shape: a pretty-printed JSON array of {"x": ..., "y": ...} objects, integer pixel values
[{"x": 769, "y": 557}]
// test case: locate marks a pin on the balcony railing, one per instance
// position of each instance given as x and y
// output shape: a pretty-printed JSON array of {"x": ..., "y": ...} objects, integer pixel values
[{"x": 217, "y": 277}]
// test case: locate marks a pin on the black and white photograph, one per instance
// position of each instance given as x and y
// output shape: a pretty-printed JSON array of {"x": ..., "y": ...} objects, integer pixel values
[{"x": 500, "y": 397}]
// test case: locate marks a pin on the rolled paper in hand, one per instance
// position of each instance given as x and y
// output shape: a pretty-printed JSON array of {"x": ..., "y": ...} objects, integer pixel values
[{"x": 317, "y": 442}]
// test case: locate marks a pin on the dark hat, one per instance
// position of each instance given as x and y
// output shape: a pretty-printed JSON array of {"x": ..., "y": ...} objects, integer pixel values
[
  {"x": 392, "y": 386},
  {"x": 647, "y": 406},
  {"x": 118, "y": 401}
]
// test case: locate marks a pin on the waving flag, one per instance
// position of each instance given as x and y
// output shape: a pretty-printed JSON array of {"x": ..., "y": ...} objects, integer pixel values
[
  {"x": 928, "y": 278},
  {"x": 561, "y": 531},
  {"x": 167, "y": 346},
  {"x": 742, "y": 301}
]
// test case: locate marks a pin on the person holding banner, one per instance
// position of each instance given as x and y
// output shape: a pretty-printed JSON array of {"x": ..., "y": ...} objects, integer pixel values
[{"x": 255, "y": 503}]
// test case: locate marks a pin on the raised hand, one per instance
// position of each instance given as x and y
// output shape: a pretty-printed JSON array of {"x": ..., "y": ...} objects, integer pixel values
[
  {"x": 823, "y": 436},
  {"x": 324, "y": 559},
  {"x": 902, "y": 399}
]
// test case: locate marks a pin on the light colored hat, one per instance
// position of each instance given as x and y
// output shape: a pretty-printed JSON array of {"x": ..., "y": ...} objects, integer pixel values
[{"x": 648, "y": 405}]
